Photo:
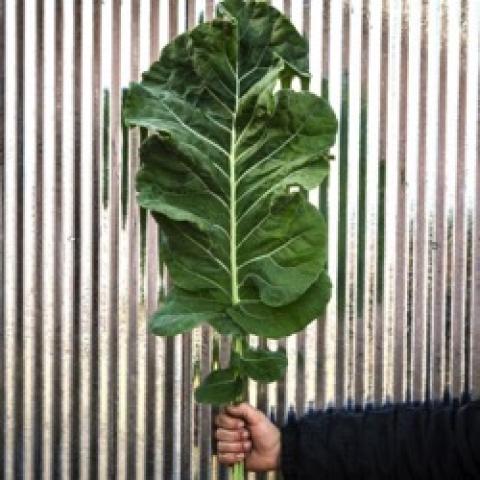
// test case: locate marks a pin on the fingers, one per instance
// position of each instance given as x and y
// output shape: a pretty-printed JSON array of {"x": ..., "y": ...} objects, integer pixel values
[
  {"x": 251, "y": 415},
  {"x": 234, "y": 447},
  {"x": 231, "y": 435},
  {"x": 235, "y": 416},
  {"x": 223, "y": 420},
  {"x": 232, "y": 452}
]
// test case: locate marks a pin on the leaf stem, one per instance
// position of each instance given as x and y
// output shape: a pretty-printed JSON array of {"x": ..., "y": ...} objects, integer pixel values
[
  {"x": 238, "y": 470},
  {"x": 239, "y": 342}
]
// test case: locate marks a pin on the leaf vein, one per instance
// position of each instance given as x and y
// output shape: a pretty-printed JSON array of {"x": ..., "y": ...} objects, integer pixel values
[
  {"x": 194, "y": 132},
  {"x": 271, "y": 253}
]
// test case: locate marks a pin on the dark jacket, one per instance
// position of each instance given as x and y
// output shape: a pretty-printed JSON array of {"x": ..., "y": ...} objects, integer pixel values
[{"x": 403, "y": 442}]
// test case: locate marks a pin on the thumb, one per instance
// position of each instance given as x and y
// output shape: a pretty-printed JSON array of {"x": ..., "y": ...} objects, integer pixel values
[{"x": 251, "y": 415}]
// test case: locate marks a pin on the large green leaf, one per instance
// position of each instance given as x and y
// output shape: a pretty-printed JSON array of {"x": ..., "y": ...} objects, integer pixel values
[
  {"x": 184, "y": 311},
  {"x": 257, "y": 318},
  {"x": 220, "y": 386},
  {"x": 263, "y": 365},
  {"x": 245, "y": 253}
]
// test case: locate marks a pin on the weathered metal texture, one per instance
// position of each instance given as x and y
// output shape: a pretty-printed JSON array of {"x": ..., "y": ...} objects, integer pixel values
[{"x": 85, "y": 390}]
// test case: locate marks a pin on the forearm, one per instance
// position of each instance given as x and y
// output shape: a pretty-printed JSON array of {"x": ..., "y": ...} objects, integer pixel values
[{"x": 429, "y": 441}]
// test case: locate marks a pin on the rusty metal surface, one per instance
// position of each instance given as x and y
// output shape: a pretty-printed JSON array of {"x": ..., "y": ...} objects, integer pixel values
[{"x": 85, "y": 390}]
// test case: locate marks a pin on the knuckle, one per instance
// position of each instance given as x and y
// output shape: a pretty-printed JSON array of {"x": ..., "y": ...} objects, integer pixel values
[
  {"x": 229, "y": 447},
  {"x": 226, "y": 435},
  {"x": 227, "y": 420},
  {"x": 222, "y": 447}
]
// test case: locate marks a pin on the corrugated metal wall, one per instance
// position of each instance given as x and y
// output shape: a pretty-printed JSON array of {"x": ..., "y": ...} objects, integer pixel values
[{"x": 85, "y": 392}]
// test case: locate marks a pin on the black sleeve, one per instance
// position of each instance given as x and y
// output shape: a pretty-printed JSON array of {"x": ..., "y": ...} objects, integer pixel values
[{"x": 404, "y": 442}]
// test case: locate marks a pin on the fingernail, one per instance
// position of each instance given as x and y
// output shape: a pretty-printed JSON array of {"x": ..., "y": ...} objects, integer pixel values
[
  {"x": 245, "y": 434},
  {"x": 246, "y": 445}
]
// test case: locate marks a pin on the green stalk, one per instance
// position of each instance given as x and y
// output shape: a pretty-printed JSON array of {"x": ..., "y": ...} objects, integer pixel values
[{"x": 237, "y": 471}]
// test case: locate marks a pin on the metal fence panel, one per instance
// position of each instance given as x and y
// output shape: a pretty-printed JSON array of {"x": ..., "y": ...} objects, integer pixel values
[{"x": 85, "y": 390}]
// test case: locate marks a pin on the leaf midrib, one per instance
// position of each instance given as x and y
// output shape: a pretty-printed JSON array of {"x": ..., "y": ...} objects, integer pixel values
[{"x": 233, "y": 189}]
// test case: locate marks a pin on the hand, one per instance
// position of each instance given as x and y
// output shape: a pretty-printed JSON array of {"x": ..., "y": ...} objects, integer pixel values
[{"x": 243, "y": 432}]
